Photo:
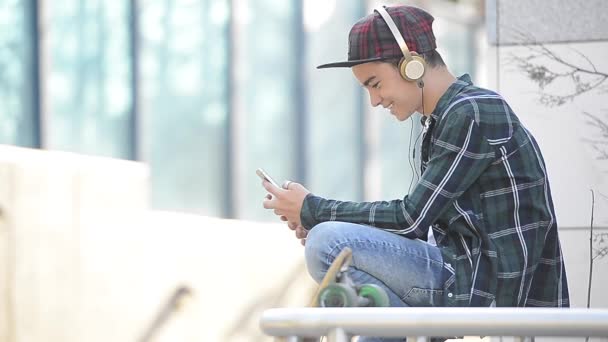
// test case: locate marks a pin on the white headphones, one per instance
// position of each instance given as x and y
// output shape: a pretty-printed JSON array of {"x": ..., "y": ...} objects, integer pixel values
[{"x": 411, "y": 67}]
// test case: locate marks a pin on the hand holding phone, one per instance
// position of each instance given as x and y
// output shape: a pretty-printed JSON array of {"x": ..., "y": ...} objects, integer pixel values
[{"x": 287, "y": 201}]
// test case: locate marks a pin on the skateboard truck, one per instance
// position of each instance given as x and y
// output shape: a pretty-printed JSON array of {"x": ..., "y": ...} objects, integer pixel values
[{"x": 338, "y": 290}]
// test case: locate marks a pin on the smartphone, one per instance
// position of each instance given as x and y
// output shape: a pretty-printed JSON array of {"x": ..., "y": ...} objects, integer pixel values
[{"x": 264, "y": 176}]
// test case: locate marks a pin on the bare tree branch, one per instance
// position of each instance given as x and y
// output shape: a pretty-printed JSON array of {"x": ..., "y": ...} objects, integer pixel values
[
  {"x": 585, "y": 57},
  {"x": 597, "y": 122},
  {"x": 570, "y": 65},
  {"x": 538, "y": 72}
]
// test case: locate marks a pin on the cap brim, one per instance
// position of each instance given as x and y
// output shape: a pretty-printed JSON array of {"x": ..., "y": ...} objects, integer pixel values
[{"x": 348, "y": 64}]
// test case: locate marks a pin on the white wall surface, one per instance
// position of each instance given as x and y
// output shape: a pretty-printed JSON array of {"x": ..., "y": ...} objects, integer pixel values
[
  {"x": 549, "y": 20},
  {"x": 564, "y": 132},
  {"x": 573, "y": 145},
  {"x": 234, "y": 268},
  {"x": 83, "y": 259}
]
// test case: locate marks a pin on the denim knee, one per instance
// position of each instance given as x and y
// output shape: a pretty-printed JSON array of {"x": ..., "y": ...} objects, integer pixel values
[{"x": 320, "y": 242}]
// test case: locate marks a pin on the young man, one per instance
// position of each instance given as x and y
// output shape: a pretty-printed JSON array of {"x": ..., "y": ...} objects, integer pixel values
[{"x": 484, "y": 190}]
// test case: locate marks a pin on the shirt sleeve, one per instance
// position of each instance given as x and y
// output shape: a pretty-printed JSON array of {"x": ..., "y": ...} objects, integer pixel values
[{"x": 459, "y": 155}]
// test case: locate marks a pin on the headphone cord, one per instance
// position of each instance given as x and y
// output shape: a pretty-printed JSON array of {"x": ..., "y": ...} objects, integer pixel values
[
  {"x": 419, "y": 135},
  {"x": 414, "y": 154},
  {"x": 413, "y": 159},
  {"x": 412, "y": 166}
]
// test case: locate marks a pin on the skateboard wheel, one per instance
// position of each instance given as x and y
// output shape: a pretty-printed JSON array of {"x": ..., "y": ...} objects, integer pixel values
[
  {"x": 375, "y": 294},
  {"x": 338, "y": 295}
]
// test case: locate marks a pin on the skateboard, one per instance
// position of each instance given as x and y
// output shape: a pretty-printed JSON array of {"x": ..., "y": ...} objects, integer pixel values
[{"x": 338, "y": 290}]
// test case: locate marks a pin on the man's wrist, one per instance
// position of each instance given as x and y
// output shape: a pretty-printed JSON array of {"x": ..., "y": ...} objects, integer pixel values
[{"x": 309, "y": 209}]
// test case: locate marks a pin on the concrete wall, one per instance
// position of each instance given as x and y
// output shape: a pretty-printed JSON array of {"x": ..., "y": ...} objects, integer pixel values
[
  {"x": 83, "y": 259},
  {"x": 45, "y": 200},
  {"x": 574, "y": 145},
  {"x": 550, "y": 21}
]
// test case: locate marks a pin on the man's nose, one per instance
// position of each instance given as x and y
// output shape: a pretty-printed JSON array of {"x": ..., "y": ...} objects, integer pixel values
[{"x": 374, "y": 98}]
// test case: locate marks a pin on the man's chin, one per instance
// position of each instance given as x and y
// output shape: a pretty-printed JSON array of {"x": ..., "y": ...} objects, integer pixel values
[{"x": 400, "y": 117}]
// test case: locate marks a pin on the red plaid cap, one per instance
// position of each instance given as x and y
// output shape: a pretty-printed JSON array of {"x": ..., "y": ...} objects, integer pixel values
[{"x": 371, "y": 40}]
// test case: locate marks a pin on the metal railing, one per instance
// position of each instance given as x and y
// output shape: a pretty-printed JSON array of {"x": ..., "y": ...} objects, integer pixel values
[{"x": 340, "y": 324}]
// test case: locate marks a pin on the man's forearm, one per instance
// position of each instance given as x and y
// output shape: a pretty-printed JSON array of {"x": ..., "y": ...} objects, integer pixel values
[{"x": 386, "y": 215}]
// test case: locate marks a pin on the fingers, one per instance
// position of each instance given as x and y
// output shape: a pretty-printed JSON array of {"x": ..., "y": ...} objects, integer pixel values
[
  {"x": 272, "y": 189},
  {"x": 290, "y": 185},
  {"x": 286, "y": 184},
  {"x": 268, "y": 204},
  {"x": 284, "y": 218},
  {"x": 303, "y": 242},
  {"x": 301, "y": 233},
  {"x": 292, "y": 225},
  {"x": 296, "y": 186}
]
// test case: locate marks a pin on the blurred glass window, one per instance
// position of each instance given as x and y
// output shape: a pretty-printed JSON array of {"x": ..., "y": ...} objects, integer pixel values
[
  {"x": 334, "y": 101},
  {"x": 88, "y": 90},
  {"x": 266, "y": 41},
  {"x": 184, "y": 77},
  {"x": 17, "y": 87}
]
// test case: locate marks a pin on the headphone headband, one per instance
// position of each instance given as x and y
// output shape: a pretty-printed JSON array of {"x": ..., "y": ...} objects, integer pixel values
[{"x": 395, "y": 31}]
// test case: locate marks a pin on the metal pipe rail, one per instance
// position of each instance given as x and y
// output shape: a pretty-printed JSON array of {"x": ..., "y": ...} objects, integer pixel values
[{"x": 339, "y": 324}]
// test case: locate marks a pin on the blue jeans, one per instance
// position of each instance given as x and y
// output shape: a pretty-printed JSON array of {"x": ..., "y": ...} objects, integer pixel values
[{"x": 411, "y": 271}]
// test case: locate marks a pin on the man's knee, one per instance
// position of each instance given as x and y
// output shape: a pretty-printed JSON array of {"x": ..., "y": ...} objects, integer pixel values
[{"x": 323, "y": 244}]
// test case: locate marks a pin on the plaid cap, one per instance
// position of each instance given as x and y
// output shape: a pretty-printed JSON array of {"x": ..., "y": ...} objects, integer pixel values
[{"x": 371, "y": 40}]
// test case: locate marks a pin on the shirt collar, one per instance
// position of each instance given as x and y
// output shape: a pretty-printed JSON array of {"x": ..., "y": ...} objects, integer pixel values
[{"x": 445, "y": 99}]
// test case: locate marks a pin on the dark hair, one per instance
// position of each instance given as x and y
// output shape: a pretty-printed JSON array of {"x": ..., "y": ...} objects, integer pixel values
[{"x": 432, "y": 58}]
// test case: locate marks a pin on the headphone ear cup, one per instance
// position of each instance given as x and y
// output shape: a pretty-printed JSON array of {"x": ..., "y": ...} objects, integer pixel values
[
  {"x": 413, "y": 69},
  {"x": 402, "y": 68}
]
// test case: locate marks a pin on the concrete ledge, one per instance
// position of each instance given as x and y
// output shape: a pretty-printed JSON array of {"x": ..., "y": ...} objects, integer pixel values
[{"x": 546, "y": 21}]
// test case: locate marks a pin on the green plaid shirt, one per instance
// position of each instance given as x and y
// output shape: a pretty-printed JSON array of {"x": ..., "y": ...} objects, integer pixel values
[{"x": 484, "y": 191}]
